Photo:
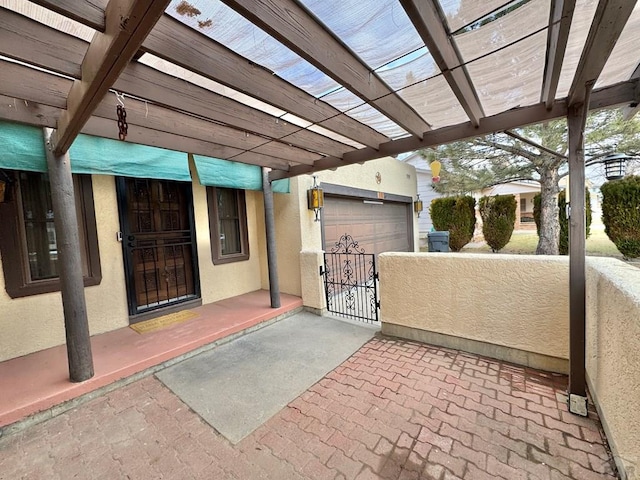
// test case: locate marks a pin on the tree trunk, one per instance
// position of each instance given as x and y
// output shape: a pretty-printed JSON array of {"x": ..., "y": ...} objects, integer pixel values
[{"x": 549, "y": 224}]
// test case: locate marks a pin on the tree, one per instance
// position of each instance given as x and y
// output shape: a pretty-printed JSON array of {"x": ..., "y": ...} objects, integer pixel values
[
  {"x": 563, "y": 246},
  {"x": 498, "y": 219},
  {"x": 494, "y": 159}
]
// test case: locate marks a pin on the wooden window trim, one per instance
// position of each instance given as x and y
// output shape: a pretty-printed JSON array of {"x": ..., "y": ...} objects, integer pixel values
[
  {"x": 216, "y": 255},
  {"x": 17, "y": 283}
]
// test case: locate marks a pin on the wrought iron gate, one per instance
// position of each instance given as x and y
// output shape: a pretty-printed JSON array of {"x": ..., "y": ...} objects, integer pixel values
[{"x": 351, "y": 281}]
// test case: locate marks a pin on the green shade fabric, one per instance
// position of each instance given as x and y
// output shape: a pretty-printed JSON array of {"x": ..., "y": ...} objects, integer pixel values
[
  {"x": 215, "y": 172},
  {"x": 22, "y": 148}
]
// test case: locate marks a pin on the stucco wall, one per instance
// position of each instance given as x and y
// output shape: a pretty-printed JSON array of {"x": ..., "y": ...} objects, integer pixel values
[
  {"x": 396, "y": 177},
  {"x": 514, "y": 301},
  {"x": 227, "y": 280},
  {"x": 36, "y": 322},
  {"x": 613, "y": 355}
]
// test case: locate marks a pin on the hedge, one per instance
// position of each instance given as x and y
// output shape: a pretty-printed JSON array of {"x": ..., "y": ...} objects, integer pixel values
[
  {"x": 456, "y": 215},
  {"x": 498, "y": 219}
]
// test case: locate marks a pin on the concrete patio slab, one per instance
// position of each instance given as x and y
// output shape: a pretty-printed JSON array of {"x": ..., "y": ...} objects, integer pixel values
[{"x": 238, "y": 386}]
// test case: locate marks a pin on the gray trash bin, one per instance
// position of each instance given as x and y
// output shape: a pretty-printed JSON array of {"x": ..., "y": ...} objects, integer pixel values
[{"x": 438, "y": 241}]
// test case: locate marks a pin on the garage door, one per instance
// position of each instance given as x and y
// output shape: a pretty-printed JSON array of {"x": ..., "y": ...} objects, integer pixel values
[{"x": 376, "y": 225}]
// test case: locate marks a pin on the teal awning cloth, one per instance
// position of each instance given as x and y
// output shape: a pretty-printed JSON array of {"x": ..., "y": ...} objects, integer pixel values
[
  {"x": 214, "y": 172},
  {"x": 22, "y": 148}
]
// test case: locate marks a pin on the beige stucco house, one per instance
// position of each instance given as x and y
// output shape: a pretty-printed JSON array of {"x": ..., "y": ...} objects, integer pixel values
[{"x": 164, "y": 239}]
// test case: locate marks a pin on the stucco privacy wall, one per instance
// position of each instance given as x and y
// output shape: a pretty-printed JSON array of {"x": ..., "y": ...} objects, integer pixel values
[
  {"x": 36, "y": 322},
  {"x": 513, "y": 307},
  {"x": 613, "y": 356}
]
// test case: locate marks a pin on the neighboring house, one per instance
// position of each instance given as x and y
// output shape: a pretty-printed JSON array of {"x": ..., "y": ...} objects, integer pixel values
[
  {"x": 171, "y": 231},
  {"x": 425, "y": 190},
  {"x": 524, "y": 191}
]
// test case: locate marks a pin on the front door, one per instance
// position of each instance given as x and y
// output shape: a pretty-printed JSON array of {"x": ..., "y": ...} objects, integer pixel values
[{"x": 158, "y": 239}]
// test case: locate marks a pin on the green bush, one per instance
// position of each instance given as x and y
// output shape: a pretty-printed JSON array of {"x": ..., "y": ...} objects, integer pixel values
[
  {"x": 621, "y": 214},
  {"x": 563, "y": 244},
  {"x": 458, "y": 216},
  {"x": 498, "y": 219}
]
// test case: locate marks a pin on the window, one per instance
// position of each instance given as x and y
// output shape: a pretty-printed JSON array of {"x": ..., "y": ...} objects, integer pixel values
[
  {"x": 228, "y": 225},
  {"x": 28, "y": 238},
  {"x": 523, "y": 204}
]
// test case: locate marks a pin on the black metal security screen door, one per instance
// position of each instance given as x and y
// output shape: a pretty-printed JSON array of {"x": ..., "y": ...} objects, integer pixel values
[
  {"x": 351, "y": 281},
  {"x": 158, "y": 241}
]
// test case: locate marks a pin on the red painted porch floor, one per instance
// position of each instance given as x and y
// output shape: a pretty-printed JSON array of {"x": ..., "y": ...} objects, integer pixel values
[
  {"x": 394, "y": 410},
  {"x": 38, "y": 381}
]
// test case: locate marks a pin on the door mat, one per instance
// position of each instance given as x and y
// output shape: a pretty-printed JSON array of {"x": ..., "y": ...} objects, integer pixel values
[{"x": 164, "y": 321}]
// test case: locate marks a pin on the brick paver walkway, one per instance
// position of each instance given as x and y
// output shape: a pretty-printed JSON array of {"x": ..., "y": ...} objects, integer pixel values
[{"x": 395, "y": 410}]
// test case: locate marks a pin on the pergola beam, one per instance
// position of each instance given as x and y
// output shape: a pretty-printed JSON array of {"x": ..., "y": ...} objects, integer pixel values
[
  {"x": 606, "y": 97},
  {"x": 608, "y": 22},
  {"x": 37, "y": 87},
  {"x": 288, "y": 22},
  {"x": 127, "y": 23},
  {"x": 28, "y": 41},
  {"x": 177, "y": 43},
  {"x": 634, "y": 107},
  {"x": 428, "y": 22},
  {"x": 35, "y": 114},
  {"x": 560, "y": 18},
  {"x": 87, "y": 12}
]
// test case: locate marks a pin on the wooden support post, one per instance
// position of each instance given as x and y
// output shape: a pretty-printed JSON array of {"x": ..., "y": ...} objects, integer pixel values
[
  {"x": 69, "y": 264},
  {"x": 576, "y": 119},
  {"x": 270, "y": 227}
]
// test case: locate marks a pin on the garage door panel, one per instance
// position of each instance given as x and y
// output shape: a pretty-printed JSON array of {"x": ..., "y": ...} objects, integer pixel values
[{"x": 377, "y": 227}]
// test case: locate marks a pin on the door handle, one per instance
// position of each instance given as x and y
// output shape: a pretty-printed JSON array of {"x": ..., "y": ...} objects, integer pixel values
[{"x": 131, "y": 241}]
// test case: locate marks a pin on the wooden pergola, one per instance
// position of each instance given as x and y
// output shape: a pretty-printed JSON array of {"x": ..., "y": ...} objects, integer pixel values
[{"x": 205, "y": 88}]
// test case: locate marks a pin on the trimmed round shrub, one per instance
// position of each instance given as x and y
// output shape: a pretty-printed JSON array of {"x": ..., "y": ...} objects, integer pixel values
[
  {"x": 621, "y": 214},
  {"x": 498, "y": 219},
  {"x": 456, "y": 215}
]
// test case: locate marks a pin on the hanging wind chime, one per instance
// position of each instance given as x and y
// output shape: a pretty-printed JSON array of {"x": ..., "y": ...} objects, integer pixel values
[{"x": 122, "y": 117}]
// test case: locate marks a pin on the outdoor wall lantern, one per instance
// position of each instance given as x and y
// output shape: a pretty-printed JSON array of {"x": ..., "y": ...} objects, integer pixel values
[
  {"x": 614, "y": 166},
  {"x": 417, "y": 205},
  {"x": 315, "y": 199},
  {"x": 435, "y": 171}
]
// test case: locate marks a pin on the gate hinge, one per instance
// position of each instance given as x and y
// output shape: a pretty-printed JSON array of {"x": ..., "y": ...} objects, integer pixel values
[
  {"x": 376, "y": 276},
  {"x": 322, "y": 271},
  {"x": 378, "y": 304}
]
